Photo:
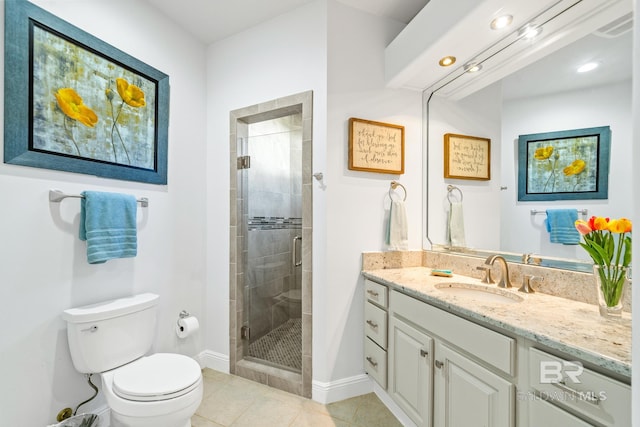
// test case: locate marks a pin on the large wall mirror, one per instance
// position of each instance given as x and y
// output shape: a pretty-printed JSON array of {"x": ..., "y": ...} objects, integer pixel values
[{"x": 547, "y": 95}]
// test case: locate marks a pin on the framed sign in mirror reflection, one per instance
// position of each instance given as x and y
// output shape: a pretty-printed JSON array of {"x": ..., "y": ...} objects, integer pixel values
[{"x": 467, "y": 157}]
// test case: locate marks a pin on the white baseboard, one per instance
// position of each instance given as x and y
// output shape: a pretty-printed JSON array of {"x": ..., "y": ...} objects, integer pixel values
[
  {"x": 212, "y": 360},
  {"x": 341, "y": 389}
]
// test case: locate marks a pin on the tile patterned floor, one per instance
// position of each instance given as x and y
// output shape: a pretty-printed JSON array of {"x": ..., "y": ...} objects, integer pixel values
[{"x": 232, "y": 401}]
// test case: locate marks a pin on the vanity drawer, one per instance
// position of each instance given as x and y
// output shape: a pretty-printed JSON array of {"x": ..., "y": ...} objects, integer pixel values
[
  {"x": 485, "y": 344},
  {"x": 375, "y": 362},
  {"x": 567, "y": 383},
  {"x": 376, "y": 293},
  {"x": 375, "y": 324},
  {"x": 542, "y": 413}
]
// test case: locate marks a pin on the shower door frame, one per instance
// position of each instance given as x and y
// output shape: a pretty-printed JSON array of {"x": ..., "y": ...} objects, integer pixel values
[{"x": 238, "y": 347}]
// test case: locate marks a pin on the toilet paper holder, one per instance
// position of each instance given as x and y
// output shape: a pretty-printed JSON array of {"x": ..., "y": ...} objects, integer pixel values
[{"x": 182, "y": 315}]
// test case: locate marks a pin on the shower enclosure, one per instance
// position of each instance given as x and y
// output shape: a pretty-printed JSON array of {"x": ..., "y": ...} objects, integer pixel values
[
  {"x": 272, "y": 244},
  {"x": 271, "y": 188}
]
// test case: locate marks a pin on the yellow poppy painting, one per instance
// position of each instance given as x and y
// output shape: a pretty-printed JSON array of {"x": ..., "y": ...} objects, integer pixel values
[
  {"x": 564, "y": 165},
  {"x": 79, "y": 104},
  {"x": 89, "y": 107}
]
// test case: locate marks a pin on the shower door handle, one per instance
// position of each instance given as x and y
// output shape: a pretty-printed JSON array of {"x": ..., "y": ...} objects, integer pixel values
[{"x": 294, "y": 252}]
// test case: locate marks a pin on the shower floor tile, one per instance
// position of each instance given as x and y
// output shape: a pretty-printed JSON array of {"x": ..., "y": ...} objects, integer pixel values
[{"x": 282, "y": 346}]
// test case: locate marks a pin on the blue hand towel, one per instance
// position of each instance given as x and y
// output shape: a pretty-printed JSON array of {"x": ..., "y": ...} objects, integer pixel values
[
  {"x": 561, "y": 226},
  {"x": 108, "y": 224}
]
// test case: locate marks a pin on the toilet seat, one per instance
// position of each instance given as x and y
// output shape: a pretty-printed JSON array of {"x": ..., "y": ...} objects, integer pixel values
[{"x": 161, "y": 376}]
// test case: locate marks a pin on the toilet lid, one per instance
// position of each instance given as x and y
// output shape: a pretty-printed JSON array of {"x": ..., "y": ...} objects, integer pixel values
[{"x": 160, "y": 376}]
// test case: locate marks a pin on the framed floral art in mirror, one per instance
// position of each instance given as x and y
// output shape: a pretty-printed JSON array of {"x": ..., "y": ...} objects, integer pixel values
[
  {"x": 77, "y": 104},
  {"x": 564, "y": 165}
]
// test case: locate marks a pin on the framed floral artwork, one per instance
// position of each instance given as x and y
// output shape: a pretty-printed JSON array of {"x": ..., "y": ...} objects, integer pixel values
[
  {"x": 77, "y": 104},
  {"x": 564, "y": 165}
]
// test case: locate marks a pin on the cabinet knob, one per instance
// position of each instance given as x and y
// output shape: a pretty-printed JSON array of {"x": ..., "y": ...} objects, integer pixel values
[
  {"x": 439, "y": 364},
  {"x": 423, "y": 352},
  {"x": 371, "y": 361}
]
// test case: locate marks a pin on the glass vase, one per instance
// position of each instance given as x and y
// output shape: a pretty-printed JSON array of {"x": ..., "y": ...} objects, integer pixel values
[{"x": 610, "y": 284}]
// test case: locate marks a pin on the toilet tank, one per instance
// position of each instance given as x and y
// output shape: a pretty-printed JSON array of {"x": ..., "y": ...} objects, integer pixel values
[{"x": 109, "y": 334}]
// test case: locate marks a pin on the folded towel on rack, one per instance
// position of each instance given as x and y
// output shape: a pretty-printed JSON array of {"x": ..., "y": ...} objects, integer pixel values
[
  {"x": 560, "y": 224},
  {"x": 456, "y": 224},
  {"x": 108, "y": 224},
  {"x": 397, "y": 231}
]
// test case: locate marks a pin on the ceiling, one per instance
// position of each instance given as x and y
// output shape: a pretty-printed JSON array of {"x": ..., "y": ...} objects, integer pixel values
[
  {"x": 213, "y": 20},
  {"x": 557, "y": 71}
]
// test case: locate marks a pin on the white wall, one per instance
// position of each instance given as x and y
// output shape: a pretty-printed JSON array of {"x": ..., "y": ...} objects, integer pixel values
[
  {"x": 358, "y": 202},
  {"x": 602, "y": 106},
  {"x": 476, "y": 115},
  {"x": 289, "y": 55},
  {"x": 43, "y": 267},
  {"x": 281, "y": 57}
]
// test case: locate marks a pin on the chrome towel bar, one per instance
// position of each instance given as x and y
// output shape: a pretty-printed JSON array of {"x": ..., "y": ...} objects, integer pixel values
[
  {"x": 582, "y": 212},
  {"x": 56, "y": 196}
]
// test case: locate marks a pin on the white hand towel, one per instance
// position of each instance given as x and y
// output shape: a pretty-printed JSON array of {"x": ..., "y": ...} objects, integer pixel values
[
  {"x": 456, "y": 225},
  {"x": 397, "y": 233}
]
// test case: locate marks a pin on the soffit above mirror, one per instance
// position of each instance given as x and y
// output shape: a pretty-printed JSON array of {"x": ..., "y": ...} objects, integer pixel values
[{"x": 411, "y": 59}]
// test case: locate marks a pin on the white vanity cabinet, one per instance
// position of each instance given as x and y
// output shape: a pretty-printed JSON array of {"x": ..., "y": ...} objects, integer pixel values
[
  {"x": 375, "y": 329},
  {"x": 442, "y": 368},
  {"x": 458, "y": 363}
]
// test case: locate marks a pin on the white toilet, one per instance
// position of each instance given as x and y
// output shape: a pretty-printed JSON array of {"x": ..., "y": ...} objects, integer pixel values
[{"x": 112, "y": 338}]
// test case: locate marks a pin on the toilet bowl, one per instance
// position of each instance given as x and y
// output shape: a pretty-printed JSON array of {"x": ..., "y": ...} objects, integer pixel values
[
  {"x": 139, "y": 397},
  {"x": 142, "y": 390}
]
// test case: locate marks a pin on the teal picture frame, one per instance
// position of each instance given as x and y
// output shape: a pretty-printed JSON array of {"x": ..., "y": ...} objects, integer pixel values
[
  {"x": 564, "y": 165},
  {"x": 77, "y": 104}
]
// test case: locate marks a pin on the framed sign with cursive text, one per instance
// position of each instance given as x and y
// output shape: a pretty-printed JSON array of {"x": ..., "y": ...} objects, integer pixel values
[
  {"x": 376, "y": 146},
  {"x": 467, "y": 157}
]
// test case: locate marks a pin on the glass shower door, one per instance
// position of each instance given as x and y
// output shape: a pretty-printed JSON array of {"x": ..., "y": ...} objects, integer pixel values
[{"x": 272, "y": 210}]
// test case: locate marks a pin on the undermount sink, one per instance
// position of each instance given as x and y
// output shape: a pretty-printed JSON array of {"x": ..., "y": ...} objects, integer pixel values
[{"x": 478, "y": 292}]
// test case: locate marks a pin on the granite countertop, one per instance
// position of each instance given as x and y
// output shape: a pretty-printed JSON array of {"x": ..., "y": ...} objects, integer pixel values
[{"x": 572, "y": 327}]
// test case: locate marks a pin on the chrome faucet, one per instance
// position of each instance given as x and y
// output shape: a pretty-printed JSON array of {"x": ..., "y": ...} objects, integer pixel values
[{"x": 504, "y": 282}]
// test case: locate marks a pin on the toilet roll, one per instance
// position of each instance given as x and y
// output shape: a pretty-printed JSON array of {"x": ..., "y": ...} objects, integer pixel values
[{"x": 187, "y": 326}]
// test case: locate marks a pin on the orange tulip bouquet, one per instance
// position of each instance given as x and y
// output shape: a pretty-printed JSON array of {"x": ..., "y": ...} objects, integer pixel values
[{"x": 608, "y": 243}]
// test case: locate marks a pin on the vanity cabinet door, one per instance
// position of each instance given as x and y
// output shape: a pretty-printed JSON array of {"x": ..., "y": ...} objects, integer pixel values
[
  {"x": 411, "y": 370},
  {"x": 467, "y": 395}
]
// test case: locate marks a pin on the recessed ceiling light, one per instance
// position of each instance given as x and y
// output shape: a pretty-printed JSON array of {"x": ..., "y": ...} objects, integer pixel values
[
  {"x": 589, "y": 66},
  {"x": 472, "y": 67},
  {"x": 530, "y": 31},
  {"x": 501, "y": 22},
  {"x": 447, "y": 61}
]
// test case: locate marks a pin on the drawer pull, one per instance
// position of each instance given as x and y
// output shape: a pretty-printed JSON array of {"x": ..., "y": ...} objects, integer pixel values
[
  {"x": 372, "y": 324},
  {"x": 439, "y": 364},
  {"x": 371, "y": 361},
  {"x": 587, "y": 396},
  {"x": 424, "y": 353},
  {"x": 373, "y": 293}
]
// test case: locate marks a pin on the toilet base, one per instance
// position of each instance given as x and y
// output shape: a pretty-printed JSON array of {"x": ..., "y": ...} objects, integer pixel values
[{"x": 118, "y": 420}]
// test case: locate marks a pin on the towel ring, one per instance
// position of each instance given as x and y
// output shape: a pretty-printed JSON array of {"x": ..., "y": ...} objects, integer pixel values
[
  {"x": 394, "y": 185},
  {"x": 450, "y": 189}
]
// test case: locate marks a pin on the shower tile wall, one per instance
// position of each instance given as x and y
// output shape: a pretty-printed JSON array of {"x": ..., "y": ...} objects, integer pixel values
[{"x": 274, "y": 214}]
